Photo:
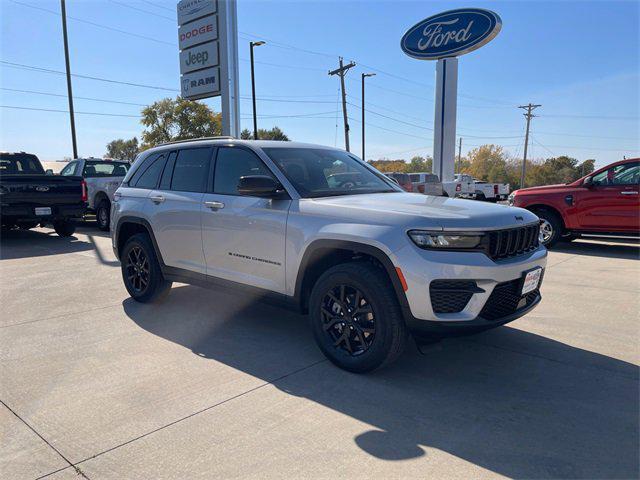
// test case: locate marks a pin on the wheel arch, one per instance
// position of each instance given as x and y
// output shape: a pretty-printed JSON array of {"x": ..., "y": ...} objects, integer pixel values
[
  {"x": 98, "y": 197},
  {"x": 323, "y": 254},
  {"x": 129, "y": 226},
  {"x": 536, "y": 207}
]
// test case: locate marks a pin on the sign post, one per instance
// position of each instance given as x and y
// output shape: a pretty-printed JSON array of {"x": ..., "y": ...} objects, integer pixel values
[
  {"x": 207, "y": 38},
  {"x": 444, "y": 37}
]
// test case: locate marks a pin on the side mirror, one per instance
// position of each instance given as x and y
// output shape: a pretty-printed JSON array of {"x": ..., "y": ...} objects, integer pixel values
[
  {"x": 588, "y": 182},
  {"x": 48, "y": 171},
  {"x": 260, "y": 186}
]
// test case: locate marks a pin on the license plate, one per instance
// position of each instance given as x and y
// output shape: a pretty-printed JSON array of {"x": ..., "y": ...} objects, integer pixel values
[
  {"x": 531, "y": 280},
  {"x": 43, "y": 210}
]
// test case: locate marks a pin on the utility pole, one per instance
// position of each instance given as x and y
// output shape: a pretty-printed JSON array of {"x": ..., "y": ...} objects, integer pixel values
[
  {"x": 69, "y": 90},
  {"x": 459, "y": 153},
  {"x": 341, "y": 71},
  {"x": 253, "y": 89},
  {"x": 364, "y": 75},
  {"x": 529, "y": 108}
]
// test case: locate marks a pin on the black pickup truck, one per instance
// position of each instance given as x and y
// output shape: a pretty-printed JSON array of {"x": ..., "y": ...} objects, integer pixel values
[{"x": 30, "y": 197}]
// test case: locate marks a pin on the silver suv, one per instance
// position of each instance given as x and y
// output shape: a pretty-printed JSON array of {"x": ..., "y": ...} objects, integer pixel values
[{"x": 319, "y": 229}]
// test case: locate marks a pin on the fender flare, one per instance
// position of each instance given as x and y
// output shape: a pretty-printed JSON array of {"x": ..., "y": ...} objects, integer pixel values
[
  {"x": 146, "y": 225},
  {"x": 313, "y": 252}
]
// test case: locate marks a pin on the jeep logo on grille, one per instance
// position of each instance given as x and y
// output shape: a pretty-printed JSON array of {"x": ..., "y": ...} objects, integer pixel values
[
  {"x": 519, "y": 218},
  {"x": 41, "y": 188}
]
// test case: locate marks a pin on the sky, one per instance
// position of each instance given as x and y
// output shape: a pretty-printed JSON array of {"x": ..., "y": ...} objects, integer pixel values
[{"x": 579, "y": 60}]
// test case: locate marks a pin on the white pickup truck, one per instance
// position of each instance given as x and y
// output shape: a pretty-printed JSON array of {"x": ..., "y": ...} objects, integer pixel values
[
  {"x": 480, "y": 190},
  {"x": 102, "y": 177}
]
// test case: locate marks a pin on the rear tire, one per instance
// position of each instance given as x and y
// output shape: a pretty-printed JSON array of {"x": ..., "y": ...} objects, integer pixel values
[
  {"x": 551, "y": 227},
  {"x": 64, "y": 228},
  {"x": 141, "y": 271},
  {"x": 355, "y": 317},
  {"x": 481, "y": 197},
  {"x": 103, "y": 215}
]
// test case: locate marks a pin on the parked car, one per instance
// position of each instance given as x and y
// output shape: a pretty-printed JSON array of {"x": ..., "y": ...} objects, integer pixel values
[
  {"x": 604, "y": 202},
  {"x": 30, "y": 197},
  {"x": 480, "y": 190},
  {"x": 369, "y": 263},
  {"x": 427, "y": 183},
  {"x": 402, "y": 179},
  {"x": 103, "y": 177}
]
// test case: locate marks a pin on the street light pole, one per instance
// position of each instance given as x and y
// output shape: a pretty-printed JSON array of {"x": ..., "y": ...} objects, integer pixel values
[
  {"x": 364, "y": 75},
  {"x": 69, "y": 90},
  {"x": 253, "y": 89}
]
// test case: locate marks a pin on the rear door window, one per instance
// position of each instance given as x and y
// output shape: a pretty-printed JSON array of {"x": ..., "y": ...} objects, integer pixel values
[
  {"x": 191, "y": 170},
  {"x": 150, "y": 177}
]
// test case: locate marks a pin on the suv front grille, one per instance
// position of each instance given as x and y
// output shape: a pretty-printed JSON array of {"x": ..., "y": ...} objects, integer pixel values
[
  {"x": 451, "y": 296},
  {"x": 505, "y": 300},
  {"x": 513, "y": 241}
]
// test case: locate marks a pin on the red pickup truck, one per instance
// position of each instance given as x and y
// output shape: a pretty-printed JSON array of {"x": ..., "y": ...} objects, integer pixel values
[{"x": 604, "y": 202}]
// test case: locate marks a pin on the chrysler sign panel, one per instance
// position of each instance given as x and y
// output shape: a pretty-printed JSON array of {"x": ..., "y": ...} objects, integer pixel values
[
  {"x": 451, "y": 33},
  {"x": 189, "y": 10}
]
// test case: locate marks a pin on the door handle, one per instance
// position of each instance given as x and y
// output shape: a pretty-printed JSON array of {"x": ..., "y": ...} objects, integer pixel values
[
  {"x": 629, "y": 192},
  {"x": 157, "y": 199},
  {"x": 214, "y": 205}
]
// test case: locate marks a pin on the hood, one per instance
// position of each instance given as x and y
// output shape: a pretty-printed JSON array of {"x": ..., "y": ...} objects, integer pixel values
[
  {"x": 415, "y": 210},
  {"x": 558, "y": 186}
]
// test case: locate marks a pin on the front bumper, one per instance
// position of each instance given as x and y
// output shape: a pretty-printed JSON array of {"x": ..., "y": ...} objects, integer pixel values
[
  {"x": 422, "y": 267},
  {"x": 425, "y": 329}
]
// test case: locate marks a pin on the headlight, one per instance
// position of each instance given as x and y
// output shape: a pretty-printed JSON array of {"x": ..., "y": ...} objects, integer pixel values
[{"x": 446, "y": 241}]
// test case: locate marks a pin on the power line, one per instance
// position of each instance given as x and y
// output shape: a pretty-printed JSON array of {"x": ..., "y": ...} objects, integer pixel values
[
  {"x": 99, "y": 25},
  {"x": 67, "y": 111},
  {"x": 75, "y": 97},
  {"x": 172, "y": 19},
  {"x": 158, "y": 5},
  {"x": 599, "y": 117},
  {"x": 87, "y": 77}
]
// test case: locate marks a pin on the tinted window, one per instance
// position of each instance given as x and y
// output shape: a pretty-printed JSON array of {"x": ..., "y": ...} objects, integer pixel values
[
  {"x": 105, "y": 169},
  {"x": 165, "y": 181},
  {"x": 233, "y": 163},
  {"x": 69, "y": 169},
  {"x": 626, "y": 174},
  {"x": 142, "y": 168},
  {"x": 317, "y": 172},
  {"x": 151, "y": 175},
  {"x": 21, "y": 163},
  {"x": 191, "y": 169}
]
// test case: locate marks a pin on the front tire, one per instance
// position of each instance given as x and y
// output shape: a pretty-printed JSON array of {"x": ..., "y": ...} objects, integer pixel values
[
  {"x": 141, "y": 271},
  {"x": 550, "y": 227},
  {"x": 103, "y": 215},
  {"x": 64, "y": 228},
  {"x": 355, "y": 317}
]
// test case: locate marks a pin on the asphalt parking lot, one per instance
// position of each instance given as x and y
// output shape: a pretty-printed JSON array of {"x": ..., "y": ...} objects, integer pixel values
[{"x": 211, "y": 385}]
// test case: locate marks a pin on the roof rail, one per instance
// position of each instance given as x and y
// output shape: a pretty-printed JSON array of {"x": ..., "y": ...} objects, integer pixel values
[{"x": 196, "y": 140}]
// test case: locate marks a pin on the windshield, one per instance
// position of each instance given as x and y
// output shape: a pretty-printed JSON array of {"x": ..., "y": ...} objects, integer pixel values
[
  {"x": 105, "y": 169},
  {"x": 316, "y": 172},
  {"x": 12, "y": 164}
]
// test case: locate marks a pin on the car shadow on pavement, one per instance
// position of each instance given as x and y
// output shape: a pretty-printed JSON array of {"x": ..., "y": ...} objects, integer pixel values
[
  {"x": 515, "y": 403},
  {"x": 628, "y": 250},
  {"x": 16, "y": 244}
]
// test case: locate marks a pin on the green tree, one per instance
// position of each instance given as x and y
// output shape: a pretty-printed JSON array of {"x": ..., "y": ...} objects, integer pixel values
[
  {"x": 168, "y": 120},
  {"x": 420, "y": 164},
  {"x": 486, "y": 161},
  {"x": 273, "y": 134},
  {"x": 122, "y": 149}
]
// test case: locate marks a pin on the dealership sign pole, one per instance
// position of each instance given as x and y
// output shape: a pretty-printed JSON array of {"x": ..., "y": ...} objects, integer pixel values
[
  {"x": 444, "y": 37},
  {"x": 208, "y": 42}
]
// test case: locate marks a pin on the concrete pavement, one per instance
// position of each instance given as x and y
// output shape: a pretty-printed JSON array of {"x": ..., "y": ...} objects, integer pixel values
[{"x": 212, "y": 385}]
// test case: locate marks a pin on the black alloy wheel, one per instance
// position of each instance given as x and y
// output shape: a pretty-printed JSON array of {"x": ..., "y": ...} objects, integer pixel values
[
  {"x": 137, "y": 269},
  {"x": 348, "y": 319}
]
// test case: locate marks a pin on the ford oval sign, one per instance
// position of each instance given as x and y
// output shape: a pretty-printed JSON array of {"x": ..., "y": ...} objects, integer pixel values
[{"x": 451, "y": 33}]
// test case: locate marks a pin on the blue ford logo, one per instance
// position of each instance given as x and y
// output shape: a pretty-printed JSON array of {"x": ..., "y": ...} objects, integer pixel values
[{"x": 451, "y": 33}]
